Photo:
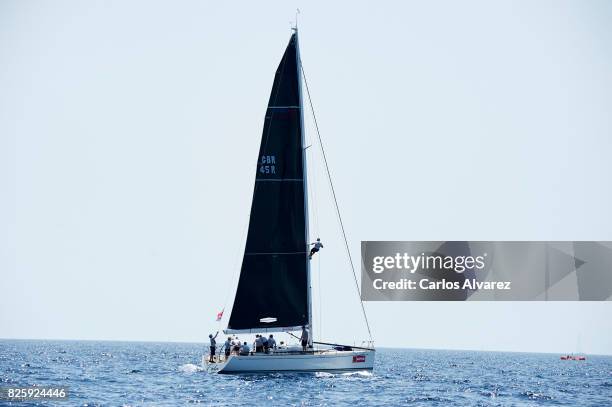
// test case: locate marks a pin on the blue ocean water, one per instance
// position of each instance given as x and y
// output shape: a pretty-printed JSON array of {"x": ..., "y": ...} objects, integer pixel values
[{"x": 160, "y": 374}]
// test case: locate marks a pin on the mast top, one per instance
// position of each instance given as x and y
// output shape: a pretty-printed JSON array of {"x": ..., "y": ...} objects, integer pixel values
[{"x": 294, "y": 27}]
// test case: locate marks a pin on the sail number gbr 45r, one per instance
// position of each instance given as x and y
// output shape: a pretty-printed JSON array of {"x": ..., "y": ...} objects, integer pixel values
[{"x": 267, "y": 164}]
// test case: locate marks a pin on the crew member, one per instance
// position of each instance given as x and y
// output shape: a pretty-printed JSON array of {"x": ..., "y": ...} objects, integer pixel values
[
  {"x": 271, "y": 342},
  {"x": 304, "y": 338},
  {"x": 236, "y": 343},
  {"x": 258, "y": 344},
  {"x": 317, "y": 246},
  {"x": 244, "y": 349},
  {"x": 228, "y": 347},
  {"x": 213, "y": 346}
]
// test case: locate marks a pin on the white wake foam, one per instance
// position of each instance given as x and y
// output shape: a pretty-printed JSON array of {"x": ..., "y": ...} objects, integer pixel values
[
  {"x": 190, "y": 368},
  {"x": 359, "y": 373}
]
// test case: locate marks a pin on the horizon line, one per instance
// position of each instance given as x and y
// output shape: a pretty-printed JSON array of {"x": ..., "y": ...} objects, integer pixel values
[{"x": 376, "y": 347}]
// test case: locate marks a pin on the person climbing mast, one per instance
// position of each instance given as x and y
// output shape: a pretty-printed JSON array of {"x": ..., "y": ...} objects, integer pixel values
[{"x": 317, "y": 245}]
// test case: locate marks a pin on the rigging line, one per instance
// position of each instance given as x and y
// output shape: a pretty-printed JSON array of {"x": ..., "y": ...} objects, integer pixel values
[
  {"x": 313, "y": 198},
  {"x": 312, "y": 190},
  {"x": 348, "y": 251},
  {"x": 316, "y": 222},
  {"x": 313, "y": 182},
  {"x": 313, "y": 212},
  {"x": 314, "y": 217},
  {"x": 320, "y": 302}
]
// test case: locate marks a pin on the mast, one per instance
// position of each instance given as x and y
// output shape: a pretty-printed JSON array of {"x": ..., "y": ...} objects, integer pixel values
[{"x": 305, "y": 172}]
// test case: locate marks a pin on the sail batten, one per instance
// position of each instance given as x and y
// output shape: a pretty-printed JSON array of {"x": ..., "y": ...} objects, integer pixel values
[
  {"x": 272, "y": 293},
  {"x": 275, "y": 254},
  {"x": 281, "y": 180}
]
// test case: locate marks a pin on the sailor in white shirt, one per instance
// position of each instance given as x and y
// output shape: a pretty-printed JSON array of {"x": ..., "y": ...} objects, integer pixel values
[
  {"x": 258, "y": 344},
  {"x": 236, "y": 344}
]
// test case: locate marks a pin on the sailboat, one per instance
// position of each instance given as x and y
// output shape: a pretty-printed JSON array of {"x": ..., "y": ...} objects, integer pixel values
[
  {"x": 578, "y": 356},
  {"x": 274, "y": 287}
]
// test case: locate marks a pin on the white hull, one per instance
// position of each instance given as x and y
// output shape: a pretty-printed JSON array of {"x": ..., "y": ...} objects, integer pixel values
[{"x": 323, "y": 361}]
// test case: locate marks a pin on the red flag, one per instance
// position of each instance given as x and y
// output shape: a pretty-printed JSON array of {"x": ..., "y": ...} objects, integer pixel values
[{"x": 220, "y": 315}]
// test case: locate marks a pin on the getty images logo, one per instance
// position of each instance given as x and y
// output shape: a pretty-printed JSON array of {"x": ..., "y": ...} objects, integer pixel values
[{"x": 404, "y": 261}]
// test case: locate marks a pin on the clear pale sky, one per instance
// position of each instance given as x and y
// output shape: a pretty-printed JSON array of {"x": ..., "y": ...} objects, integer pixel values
[{"x": 129, "y": 134}]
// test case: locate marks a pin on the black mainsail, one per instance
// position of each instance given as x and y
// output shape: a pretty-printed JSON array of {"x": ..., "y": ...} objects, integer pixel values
[{"x": 272, "y": 293}]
